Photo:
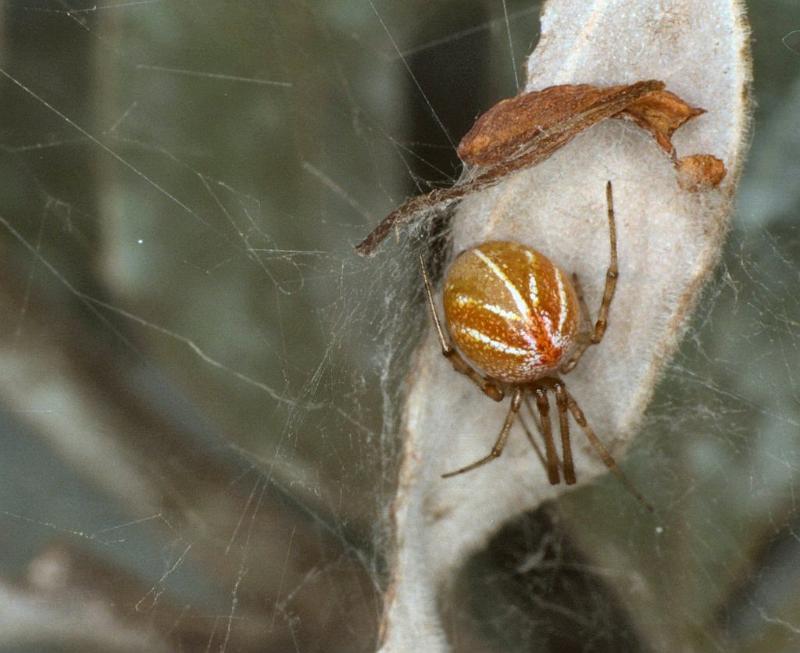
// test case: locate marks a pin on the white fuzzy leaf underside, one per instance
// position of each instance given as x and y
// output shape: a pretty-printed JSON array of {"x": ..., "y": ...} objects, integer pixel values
[{"x": 669, "y": 241}]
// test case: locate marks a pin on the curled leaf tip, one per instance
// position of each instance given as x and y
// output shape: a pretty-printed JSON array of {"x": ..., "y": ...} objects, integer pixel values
[
  {"x": 699, "y": 172},
  {"x": 661, "y": 113}
]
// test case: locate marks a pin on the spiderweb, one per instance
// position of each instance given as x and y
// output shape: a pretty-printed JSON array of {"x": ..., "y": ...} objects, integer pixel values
[{"x": 202, "y": 383}]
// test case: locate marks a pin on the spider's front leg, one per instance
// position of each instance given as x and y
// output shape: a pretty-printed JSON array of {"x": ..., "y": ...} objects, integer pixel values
[
  {"x": 612, "y": 273},
  {"x": 488, "y": 387}
]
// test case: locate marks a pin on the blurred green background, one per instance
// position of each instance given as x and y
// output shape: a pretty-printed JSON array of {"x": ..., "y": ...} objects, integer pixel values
[{"x": 200, "y": 382}]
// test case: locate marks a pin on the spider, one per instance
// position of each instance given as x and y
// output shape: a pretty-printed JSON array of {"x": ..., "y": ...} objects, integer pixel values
[{"x": 516, "y": 317}]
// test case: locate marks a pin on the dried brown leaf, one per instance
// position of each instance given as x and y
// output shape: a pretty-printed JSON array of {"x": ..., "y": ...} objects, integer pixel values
[
  {"x": 540, "y": 145},
  {"x": 509, "y": 127},
  {"x": 525, "y": 130}
]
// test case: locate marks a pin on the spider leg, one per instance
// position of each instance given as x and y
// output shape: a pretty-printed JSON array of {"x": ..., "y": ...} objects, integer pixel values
[
  {"x": 612, "y": 273},
  {"x": 488, "y": 388},
  {"x": 563, "y": 425},
  {"x": 585, "y": 317},
  {"x": 585, "y": 337},
  {"x": 499, "y": 445},
  {"x": 600, "y": 448},
  {"x": 528, "y": 433},
  {"x": 547, "y": 433}
]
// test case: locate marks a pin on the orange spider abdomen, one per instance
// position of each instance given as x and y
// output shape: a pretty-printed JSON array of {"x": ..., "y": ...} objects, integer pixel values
[{"x": 510, "y": 311}]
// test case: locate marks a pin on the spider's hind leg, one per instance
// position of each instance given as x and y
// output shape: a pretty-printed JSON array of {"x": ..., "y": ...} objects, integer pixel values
[
  {"x": 563, "y": 424},
  {"x": 543, "y": 405},
  {"x": 499, "y": 445},
  {"x": 600, "y": 448}
]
